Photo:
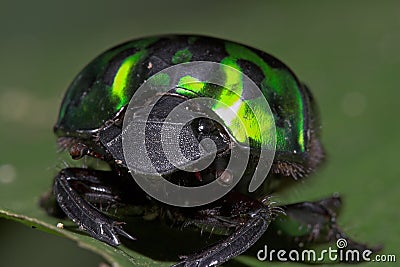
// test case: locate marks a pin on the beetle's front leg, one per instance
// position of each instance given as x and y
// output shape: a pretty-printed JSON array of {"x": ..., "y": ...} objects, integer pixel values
[
  {"x": 69, "y": 187},
  {"x": 251, "y": 219},
  {"x": 232, "y": 246}
]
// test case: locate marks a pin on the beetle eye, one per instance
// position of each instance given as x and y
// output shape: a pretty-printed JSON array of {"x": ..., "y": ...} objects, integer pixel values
[
  {"x": 208, "y": 129},
  {"x": 206, "y": 126}
]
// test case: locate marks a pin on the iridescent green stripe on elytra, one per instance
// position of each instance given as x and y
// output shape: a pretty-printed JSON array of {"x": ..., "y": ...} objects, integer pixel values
[
  {"x": 239, "y": 119},
  {"x": 242, "y": 121},
  {"x": 121, "y": 79},
  {"x": 233, "y": 81},
  {"x": 191, "y": 87},
  {"x": 250, "y": 112},
  {"x": 279, "y": 80}
]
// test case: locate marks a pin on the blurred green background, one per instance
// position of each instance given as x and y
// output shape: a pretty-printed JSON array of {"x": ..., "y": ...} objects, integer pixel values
[{"x": 346, "y": 51}]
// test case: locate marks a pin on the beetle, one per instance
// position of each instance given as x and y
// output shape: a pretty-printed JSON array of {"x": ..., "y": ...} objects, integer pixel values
[{"x": 91, "y": 118}]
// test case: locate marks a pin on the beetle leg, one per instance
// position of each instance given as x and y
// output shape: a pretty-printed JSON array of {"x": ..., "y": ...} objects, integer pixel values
[
  {"x": 311, "y": 223},
  {"x": 88, "y": 217},
  {"x": 249, "y": 231}
]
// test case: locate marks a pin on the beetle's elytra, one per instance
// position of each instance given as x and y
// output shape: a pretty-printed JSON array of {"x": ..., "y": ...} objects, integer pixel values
[{"x": 91, "y": 115}]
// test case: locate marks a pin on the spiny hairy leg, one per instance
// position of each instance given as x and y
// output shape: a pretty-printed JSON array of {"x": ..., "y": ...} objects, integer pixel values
[
  {"x": 70, "y": 184},
  {"x": 306, "y": 224},
  {"x": 251, "y": 219}
]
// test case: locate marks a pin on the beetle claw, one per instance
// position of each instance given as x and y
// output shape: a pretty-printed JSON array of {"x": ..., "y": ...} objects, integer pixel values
[{"x": 122, "y": 232}]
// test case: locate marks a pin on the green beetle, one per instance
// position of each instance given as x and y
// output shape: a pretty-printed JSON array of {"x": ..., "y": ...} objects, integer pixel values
[{"x": 90, "y": 123}]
